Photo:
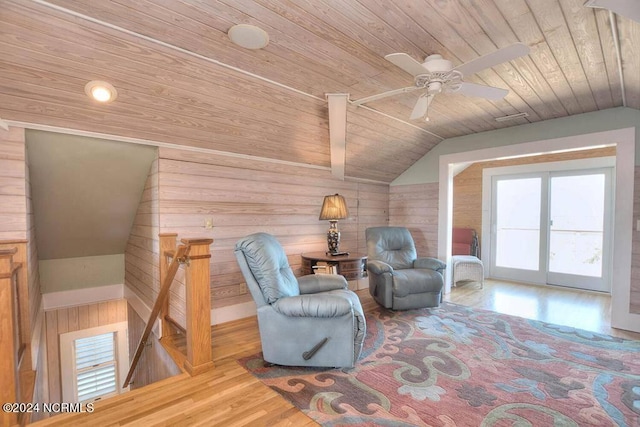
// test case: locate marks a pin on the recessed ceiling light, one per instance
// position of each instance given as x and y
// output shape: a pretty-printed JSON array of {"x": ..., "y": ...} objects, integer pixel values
[
  {"x": 248, "y": 36},
  {"x": 101, "y": 91}
]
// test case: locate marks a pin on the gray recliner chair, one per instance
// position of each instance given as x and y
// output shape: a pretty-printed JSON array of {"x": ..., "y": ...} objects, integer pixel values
[
  {"x": 398, "y": 279},
  {"x": 314, "y": 320}
]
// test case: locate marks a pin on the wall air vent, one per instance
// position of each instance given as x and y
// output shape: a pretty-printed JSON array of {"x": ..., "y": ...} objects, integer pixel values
[{"x": 511, "y": 117}]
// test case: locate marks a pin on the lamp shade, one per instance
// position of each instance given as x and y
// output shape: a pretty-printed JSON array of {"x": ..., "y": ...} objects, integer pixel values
[{"x": 334, "y": 207}]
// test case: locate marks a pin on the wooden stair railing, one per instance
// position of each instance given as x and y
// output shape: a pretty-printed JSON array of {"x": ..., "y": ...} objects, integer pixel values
[
  {"x": 197, "y": 327},
  {"x": 178, "y": 257},
  {"x": 17, "y": 377},
  {"x": 195, "y": 254},
  {"x": 10, "y": 335}
]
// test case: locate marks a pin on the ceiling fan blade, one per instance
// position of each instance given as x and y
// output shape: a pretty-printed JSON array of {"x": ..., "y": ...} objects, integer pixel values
[
  {"x": 628, "y": 8},
  {"x": 505, "y": 54},
  {"x": 488, "y": 92},
  {"x": 421, "y": 107},
  {"x": 384, "y": 95},
  {"x": 407, "y": 63}
]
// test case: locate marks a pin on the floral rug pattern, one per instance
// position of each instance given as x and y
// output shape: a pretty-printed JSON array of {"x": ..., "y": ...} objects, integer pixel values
[{"x": 454, "y": 366}]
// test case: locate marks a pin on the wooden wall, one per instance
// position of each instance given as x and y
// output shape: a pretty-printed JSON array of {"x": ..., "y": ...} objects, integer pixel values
[
  {"x": 41, "y": 389},
  {"x": 35, "y": 295},
  {"x": 142, "y": 274},
  {"x": 17, "y": 222},
  {"x": 74, "y": 319},
  {"x": 142, "y": 253},
  {"x": 416, "y": 207},
  {"x": 16, "y": 208},
  {"x": 155, "y": 364},
  {"x": 13, "y": 192},
  {"x": 467, "y": 185},
  {"x": 244, "y": 196},
  {"x": 373, "y": 211}
]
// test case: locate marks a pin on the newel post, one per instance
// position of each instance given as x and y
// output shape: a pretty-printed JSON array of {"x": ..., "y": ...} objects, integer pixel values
[
  {"x": 198, "y": 310},
  {"x": 8, "y": 364},
  {"x": 167, "y": 244}
]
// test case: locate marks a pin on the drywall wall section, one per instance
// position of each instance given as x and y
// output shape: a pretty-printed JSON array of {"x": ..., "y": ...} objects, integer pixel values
[
  {"x": 427, "y": 168},
  {"x": 85, "y": 192},
  {"x": 83, "y": 272}
]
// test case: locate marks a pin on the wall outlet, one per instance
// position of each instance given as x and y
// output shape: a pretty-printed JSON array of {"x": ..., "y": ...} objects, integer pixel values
[{"x": 208, "y": 223}]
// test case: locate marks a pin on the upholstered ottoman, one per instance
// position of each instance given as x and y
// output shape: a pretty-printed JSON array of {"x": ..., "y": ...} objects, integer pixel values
[{"x": 467, "y": 267}]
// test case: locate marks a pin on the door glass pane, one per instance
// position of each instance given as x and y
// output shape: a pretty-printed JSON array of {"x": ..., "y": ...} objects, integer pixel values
[
  {"x": 577, "y": 224},
  {"x": 518, "y": 223}
]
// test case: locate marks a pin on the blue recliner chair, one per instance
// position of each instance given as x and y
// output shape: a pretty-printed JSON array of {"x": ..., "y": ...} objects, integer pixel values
[
  {"x": 313, "y": 320},
  {"x": 398, "y": 279}
]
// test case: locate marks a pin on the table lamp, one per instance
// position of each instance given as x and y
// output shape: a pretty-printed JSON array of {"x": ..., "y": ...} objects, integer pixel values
[{"x": 334, "y": 208}]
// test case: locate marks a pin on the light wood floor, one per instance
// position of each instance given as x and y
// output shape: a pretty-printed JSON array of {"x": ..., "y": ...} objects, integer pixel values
[
  {"x": 553, "y": 304},
  {"x": 229, "y": 396}
]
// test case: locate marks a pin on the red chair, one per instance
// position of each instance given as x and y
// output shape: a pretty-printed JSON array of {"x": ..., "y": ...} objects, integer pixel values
[{"x": 465, "y": 242}]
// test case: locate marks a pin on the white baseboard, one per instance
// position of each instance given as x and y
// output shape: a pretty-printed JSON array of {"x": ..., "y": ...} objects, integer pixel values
[
  {"x": 36, "y": 336},
  {"x": 233, "y": 312},
  {"x": 75, "y": 297},
  {"x": 218, "y": 315}
]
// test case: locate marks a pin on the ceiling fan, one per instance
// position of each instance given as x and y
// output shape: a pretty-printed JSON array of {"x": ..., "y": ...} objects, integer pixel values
[{"x": 437, "y": 75}]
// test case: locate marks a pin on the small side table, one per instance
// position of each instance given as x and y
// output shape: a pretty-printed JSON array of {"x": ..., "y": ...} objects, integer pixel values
[
  {"x": 352, "y": 266},
  {"x": 467, "y": 267}
]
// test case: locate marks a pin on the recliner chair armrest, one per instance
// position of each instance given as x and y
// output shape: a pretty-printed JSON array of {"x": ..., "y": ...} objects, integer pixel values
[
  {"x": 430, "y": 263},
  {"x": 314, "y": 283},
  {"x": 313, "y": 306},
  {"x": 379, "y": 267}
]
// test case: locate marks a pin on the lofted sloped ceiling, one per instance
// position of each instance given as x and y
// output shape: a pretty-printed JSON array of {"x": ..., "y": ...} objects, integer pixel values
[{"x": 180, "y": 80}]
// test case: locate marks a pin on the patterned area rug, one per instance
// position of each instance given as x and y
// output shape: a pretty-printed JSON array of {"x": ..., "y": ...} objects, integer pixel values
[{"x": 453, "y": 366}]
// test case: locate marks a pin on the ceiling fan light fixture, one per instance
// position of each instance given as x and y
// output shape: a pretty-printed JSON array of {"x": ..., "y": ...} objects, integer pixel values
[
  {"x": 437, "y": 75},
  {"x": 248, "y": 36},
  {"x": 511, "y": 117},
  {"x": 101, "y": 91},
  {"x": 437, "y": 64}
]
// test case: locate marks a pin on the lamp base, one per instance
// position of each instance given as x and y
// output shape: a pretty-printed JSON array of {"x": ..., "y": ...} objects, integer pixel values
[{"x": 333, "y": 237}]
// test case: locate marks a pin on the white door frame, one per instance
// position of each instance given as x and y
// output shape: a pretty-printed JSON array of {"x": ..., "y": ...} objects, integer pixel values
[{"x": 624, "y": 139}]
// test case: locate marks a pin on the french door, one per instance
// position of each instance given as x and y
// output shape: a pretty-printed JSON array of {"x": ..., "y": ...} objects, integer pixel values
[{"x": 553, "y": 228}]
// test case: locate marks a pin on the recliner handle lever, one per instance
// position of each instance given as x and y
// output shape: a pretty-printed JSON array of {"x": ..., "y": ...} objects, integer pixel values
[{"x": 309, "y": 354}]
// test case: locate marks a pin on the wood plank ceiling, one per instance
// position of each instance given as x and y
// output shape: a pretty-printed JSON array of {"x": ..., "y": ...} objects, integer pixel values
[{"x": 180, "y": 80}]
